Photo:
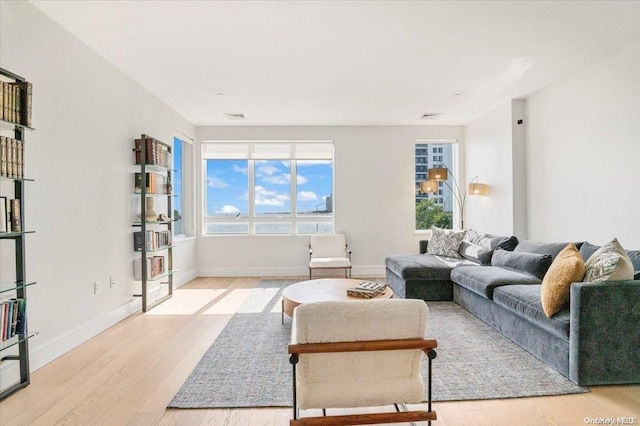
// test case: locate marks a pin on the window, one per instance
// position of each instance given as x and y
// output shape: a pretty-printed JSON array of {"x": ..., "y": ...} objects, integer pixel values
[
  {"x": 434, "y": 208},
  {"x": 268, "y": 187},
  {"x": 182, "y": 184}
]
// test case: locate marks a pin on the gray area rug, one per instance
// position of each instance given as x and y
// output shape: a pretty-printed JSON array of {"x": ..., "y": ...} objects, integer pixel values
[{"x": 248, "y": 365}]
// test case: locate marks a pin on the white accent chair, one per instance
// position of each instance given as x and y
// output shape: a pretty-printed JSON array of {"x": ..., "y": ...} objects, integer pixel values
[
  {"x": 329, "y": 252},
  {"x": 360, "y": 354}
]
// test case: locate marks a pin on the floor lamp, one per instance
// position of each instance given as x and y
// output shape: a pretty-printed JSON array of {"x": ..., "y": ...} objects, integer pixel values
[{"x": 441, "y": 174}]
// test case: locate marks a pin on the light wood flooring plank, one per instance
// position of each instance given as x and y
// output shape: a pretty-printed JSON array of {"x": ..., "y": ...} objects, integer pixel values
[{"x": 128, "y": 374}]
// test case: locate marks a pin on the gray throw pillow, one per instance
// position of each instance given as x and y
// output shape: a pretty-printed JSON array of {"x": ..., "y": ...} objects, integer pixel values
[
  {"x": 491, "y": 242},
  {"x": 476, "y": 253},
  {"x": 636, "y": 275},
  {"x": 529, "y": 263},
  {"x": 445, "y": 242},
  {"x": 544, "y": 248}
]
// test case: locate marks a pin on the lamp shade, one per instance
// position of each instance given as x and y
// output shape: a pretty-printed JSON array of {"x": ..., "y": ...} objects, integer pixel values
[
  {"x": 428, "y": 186},
  {"x": 438, "y": 174},
  {"x": 478, "y": 189}
]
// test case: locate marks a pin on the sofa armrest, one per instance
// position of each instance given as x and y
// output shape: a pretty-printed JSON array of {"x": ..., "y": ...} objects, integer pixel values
[{"x": 604, "y": 343}]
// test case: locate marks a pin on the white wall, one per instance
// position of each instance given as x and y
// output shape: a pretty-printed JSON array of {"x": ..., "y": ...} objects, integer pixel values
[
  {"x": 489, "y": 155},
  {"x": 374, "y": 200},
  {"x": 86, "y": 114},
  {"x": 583, "y": 154}
]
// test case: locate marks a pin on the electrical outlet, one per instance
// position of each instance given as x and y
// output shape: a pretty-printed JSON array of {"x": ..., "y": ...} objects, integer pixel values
[
  {"x": 112, "y": 283},
  {"x": 96, "y": 287}
]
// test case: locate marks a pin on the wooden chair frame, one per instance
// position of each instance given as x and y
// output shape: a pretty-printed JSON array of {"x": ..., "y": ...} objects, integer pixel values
[{"x": 428, "y": 347}]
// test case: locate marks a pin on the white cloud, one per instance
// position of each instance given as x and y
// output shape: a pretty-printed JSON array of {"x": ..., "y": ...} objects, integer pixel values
[
  {"x": 239, "y": 169},
  {"x": 267, "y": 170},
  {"x": 228, "y": 209},
  {"x": 282, "y": 179},
  {"x": 265, "y": 197},
  {"x": 301, "y": 180},
  {"x": 307, "y": 196},
  {"x": 216, "y": 183}
]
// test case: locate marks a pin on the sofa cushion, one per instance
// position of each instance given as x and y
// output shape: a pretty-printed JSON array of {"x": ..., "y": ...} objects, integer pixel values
[
  {"x": 543, "y": 248},
  {"x": 445, "y": 242},
  {"x": 525, "y": 301},
  {"x": 483, "y": 280},
  {"x": 588, "y": 249},
  {"x": 490, "y": 241},
  {"x": 609, "y": 263},
  {"x": 475, "y": 253},
  {"x": 528, "y": 263},
  {"x": 423, "y": 266},
  {"x": 567, "y": 267}
]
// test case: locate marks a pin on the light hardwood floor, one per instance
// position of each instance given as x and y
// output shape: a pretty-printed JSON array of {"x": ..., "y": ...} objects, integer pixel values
[{"x": 129, "y": 373}]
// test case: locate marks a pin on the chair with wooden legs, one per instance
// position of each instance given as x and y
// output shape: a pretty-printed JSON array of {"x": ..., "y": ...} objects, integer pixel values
[{"x": 360, "y": 354}]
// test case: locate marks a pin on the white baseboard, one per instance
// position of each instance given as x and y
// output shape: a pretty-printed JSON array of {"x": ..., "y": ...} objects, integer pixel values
[
  {"x": 362, "y": 271},
  {"x": 182, "y": 279}
]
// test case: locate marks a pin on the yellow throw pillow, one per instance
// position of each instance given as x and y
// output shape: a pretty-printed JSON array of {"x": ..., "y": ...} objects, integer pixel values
[{"x": 567, "y": 267}]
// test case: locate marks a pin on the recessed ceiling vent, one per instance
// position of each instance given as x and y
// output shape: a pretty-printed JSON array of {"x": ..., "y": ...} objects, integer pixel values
[
  {"x": 235, "y": 116},
  {"x": 430, "y": 115}
]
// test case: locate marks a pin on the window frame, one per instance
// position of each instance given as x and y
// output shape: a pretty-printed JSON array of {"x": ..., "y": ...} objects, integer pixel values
[
  {"x": 254, "y": 220},
  {"x": 187, "y": 186},
  {"x": 455, "y": 169}
]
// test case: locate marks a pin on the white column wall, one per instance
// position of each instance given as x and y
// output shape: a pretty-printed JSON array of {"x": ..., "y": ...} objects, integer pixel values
[
  {"x": 583, "y": 154},
  {"x": 374, "y": 200},
  {"x": 86, "y": 114},
  {"x": 489, "y": 154}
]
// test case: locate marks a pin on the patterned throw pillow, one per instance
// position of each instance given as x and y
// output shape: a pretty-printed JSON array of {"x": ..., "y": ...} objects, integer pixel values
[
  {"x": 609, "y": 263},
  {"x": 445, "y": 242},
  {"x": 567, "y": 267}
]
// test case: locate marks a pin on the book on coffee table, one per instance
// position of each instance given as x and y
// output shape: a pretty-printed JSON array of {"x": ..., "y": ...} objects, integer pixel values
[{"x": 367, "y": 290}]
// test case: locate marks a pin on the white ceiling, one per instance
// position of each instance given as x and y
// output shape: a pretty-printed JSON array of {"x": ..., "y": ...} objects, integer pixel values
[{"x": 346, "y": 62}]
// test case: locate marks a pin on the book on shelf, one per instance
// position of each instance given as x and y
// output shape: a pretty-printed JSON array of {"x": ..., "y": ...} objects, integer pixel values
[
  {"x": 155, "y": 240},
  {"x": 367, "y": 289},
  {"x": 11, "y": 157},
  {"x": 155, "y": 183},
  {"x": 155, "y": 267},
  {"x": 13, "y": 318},
  {"x": 156, "y": 152},
  {"x": 16, "y": 219},
  {"x": 15, "y": 102}
]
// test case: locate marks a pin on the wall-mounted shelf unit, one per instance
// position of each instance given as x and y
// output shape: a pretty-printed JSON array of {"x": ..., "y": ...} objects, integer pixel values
[
  {"x": 15, "y": 121},
  {"x": 152, "y": 239}
]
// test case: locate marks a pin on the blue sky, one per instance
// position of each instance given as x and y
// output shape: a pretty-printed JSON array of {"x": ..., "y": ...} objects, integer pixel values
[{"x": 227, "y": 186}]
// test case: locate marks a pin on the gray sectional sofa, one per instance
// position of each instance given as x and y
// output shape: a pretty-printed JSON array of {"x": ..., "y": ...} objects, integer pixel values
[{"x": 595, "y": 340}]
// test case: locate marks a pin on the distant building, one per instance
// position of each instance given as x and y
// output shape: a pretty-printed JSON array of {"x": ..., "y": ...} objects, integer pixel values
[{"x": 429, "y": 156}]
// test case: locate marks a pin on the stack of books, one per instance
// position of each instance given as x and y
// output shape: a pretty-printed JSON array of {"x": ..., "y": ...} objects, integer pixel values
[{"x": 367, "y": 290}]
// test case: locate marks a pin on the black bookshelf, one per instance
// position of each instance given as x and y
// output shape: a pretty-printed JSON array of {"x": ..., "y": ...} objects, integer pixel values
[
  {"x": 15, "y": 348},
  {"x": 154, "y": 160}
]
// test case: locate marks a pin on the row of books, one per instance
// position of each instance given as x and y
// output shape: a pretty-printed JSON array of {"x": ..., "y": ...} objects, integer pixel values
[
  {"x": 13, "y": 318},
  {"x": 11, "y": 157},
  {"x": 156, "y": 183},
  {"x": 10, "y": 218},
  {"x": 156, "y": 153},
  {"x": 156, "y": 240},
  {"x": 155, "y": 267},
  {"x": 15, "y": 102}
]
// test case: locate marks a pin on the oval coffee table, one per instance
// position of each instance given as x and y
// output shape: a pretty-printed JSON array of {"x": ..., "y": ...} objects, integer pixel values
[{"x": 321, "y": 290}]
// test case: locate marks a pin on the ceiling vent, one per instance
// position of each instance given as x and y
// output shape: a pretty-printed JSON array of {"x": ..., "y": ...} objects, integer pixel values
[
  {"x": 430, "y": 115},
  {"x": 235, "y": 116}
]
